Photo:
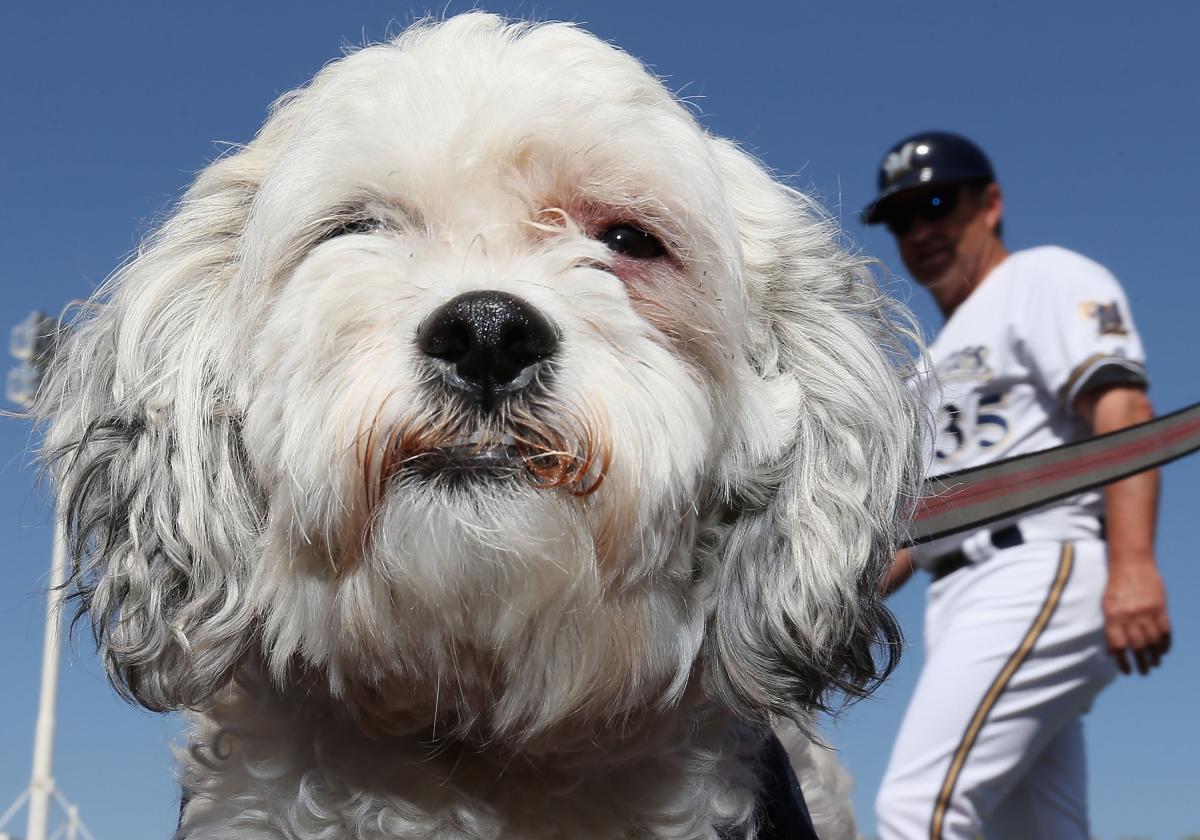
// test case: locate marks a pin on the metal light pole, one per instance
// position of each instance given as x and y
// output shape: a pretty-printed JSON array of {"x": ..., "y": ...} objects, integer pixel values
[
  {"x": 32, "y": 344},
  {"x": 41, "y": 782}
]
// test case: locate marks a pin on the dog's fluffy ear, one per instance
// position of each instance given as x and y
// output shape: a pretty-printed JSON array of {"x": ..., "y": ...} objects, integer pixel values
[
  {"x": 143, "y": 439},
  {"x": 827, "y": 469}
]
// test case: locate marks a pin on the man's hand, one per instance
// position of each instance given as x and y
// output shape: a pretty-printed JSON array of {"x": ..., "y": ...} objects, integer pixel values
[
  {"x": 898, "y": 573},
  {"x": 1136, "y": 623}
]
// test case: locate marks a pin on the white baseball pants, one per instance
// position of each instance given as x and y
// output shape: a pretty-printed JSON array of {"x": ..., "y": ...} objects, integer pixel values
[{"x": 992, "y": 742}]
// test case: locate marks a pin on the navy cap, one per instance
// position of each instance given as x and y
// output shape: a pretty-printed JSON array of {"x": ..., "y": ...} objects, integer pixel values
[{"x": 926, "y": 159}]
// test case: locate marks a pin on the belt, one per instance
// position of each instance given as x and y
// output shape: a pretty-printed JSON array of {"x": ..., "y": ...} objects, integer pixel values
[
  {"x": 949, "y": 563},
  {"x": 1007, "y": 537}
]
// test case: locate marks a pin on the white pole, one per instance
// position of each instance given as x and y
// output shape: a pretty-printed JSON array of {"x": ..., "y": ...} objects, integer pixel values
[{"x": 41, "y": 784}]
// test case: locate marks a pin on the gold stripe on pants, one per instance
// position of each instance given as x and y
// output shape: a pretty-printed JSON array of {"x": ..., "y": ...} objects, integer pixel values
[{"x": 993, "y": 693}]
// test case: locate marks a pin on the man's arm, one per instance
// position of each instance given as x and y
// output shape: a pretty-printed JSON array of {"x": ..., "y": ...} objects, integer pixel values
[{"x": 1135, "y": 602}]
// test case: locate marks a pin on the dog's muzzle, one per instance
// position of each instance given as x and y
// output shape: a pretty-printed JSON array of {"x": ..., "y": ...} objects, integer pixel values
[{"x": 487, "y": 346}]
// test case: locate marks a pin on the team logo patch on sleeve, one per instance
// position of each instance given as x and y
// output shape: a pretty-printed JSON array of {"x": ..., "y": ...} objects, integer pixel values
[{"x": 1108, "y": 316}]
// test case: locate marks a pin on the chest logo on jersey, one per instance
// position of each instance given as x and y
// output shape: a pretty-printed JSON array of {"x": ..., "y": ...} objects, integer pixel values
[
  {"x": 966, "y": 365},
  {"x": 1108, "y": 316}
]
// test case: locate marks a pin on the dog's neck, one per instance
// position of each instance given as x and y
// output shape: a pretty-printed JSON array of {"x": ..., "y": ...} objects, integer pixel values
[
  {"x": 280, "y": 745},
  {"x": 386, "y": 720}
]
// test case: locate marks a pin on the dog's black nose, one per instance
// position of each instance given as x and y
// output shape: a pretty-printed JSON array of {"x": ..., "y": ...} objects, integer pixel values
[{"x": 491, "y": 343}]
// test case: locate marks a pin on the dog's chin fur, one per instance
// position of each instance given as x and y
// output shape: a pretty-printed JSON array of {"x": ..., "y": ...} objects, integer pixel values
[{"x": 396, "y": 615}]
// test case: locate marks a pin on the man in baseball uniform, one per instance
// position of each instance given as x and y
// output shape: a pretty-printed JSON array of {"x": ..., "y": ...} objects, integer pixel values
[{"x": 1026, "y": 619}]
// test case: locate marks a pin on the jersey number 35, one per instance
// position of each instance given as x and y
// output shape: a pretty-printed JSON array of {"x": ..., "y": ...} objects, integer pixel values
[{"x": 969, "y": 425}]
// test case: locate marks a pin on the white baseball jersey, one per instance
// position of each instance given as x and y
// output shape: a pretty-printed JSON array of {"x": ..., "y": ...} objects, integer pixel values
[{"x": 1044, "y": 326}]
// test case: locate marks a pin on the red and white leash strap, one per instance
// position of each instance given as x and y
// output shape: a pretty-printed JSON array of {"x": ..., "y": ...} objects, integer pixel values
[{"x": 971, "y": 498}]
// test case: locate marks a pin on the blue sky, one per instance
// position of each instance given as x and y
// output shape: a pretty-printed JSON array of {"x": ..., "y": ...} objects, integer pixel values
[{"x": 1088, "y": 110}]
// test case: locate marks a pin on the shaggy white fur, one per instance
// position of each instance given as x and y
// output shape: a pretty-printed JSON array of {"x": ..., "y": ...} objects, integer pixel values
[{"x": 484, "y": 451}]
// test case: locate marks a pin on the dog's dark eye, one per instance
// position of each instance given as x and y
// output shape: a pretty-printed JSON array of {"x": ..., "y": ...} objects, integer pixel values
[
  {"x": 349, "y": 225},
  {"x": 632, "y": 241}
]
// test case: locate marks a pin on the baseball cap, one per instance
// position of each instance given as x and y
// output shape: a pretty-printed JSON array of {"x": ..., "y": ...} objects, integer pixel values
[{"x": 926, "y": 159}]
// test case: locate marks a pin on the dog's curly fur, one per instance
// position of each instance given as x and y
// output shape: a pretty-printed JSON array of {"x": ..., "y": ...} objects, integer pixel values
[{"x": 704, "y": 482}]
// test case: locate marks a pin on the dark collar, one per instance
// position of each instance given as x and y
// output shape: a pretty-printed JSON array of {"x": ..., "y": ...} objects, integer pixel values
[{"x": 782, "y": 812}]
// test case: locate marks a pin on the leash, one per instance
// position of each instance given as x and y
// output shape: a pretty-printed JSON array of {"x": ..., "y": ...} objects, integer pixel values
[{"x": 967, "y": 499}]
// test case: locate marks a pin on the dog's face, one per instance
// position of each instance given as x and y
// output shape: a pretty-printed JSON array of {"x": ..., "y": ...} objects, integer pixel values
[{"x": 484, "y": 380}]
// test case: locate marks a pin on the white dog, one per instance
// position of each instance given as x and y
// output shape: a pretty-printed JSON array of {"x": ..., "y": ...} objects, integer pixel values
[{"x": 484, "y": 451}]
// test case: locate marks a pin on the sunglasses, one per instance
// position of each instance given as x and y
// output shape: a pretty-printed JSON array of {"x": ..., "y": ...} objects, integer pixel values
[{"x": 931, "y": 207}]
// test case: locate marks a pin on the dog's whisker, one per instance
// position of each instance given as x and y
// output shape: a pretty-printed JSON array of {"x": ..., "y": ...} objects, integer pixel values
[{"x": 332, "y": 562}]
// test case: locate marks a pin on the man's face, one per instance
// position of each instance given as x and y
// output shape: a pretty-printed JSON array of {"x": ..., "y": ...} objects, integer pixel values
[{"x": 944, "y": 233}]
